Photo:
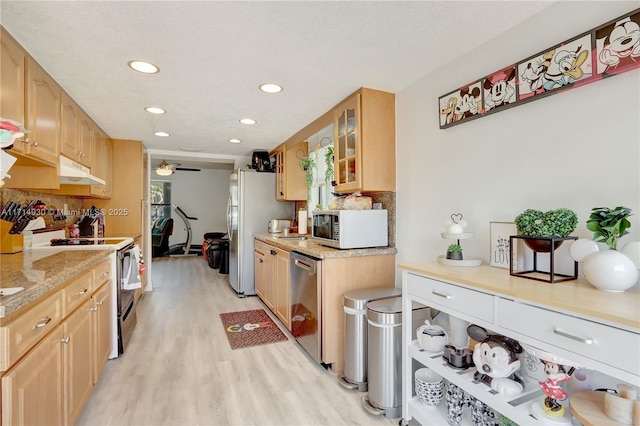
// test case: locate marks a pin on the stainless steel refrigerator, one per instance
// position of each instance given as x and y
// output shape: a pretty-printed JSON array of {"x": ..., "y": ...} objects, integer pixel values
[{"x": 252, "y": 203}]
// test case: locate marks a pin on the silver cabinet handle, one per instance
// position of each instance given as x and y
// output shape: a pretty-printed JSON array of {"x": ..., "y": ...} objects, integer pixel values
[
  {"x": 437, "y": 293},
  {"x": 572, "y": 337},
  {"x": 44, "y": 321},
  {"x": 100, "y": 303},
  {"x": 81, "y": 292},
  {"x": 34, "y": 144},
  {"x": 104, "y": 274},
  {"x": 26, "y": 140},
  {"x": 66, "y": 339},
  {"x": 94, "y": 309}
]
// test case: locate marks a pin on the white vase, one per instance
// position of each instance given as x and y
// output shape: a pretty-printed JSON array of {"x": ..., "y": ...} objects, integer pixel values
[
  {"x": 632, "y": 251},
  {"x": 610, "y": 270}
]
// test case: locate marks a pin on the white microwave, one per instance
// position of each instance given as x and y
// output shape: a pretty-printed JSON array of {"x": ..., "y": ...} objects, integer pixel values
[{"x": 350, "y": 229}]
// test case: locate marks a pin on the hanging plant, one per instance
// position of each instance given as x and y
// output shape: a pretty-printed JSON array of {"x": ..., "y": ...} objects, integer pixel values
[
  {"x": 328, "y": 161},
  {"x": 308, "y": 164}
]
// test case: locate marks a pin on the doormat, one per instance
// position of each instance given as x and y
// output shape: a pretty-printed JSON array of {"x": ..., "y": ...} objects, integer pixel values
[{"x": 250, "y": 328}]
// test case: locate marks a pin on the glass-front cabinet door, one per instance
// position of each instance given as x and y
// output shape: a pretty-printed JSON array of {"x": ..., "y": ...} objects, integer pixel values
[{"x": 347, "y": 155}]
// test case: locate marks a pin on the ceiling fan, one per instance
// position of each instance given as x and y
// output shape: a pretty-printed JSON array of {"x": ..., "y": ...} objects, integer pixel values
[{"x": 167, "y": 169}]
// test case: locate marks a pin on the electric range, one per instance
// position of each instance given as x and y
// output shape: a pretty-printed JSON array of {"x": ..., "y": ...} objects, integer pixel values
[{"x": 121, "y": 261}]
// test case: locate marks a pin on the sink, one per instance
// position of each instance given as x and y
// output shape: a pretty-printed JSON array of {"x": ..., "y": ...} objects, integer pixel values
[{"x": 292, "y": 237}]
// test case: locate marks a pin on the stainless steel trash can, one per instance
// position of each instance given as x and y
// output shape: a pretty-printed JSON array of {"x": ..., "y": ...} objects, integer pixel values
[
  {"x": 355, "y": 334},
  {"x": 384, "y": 318}
]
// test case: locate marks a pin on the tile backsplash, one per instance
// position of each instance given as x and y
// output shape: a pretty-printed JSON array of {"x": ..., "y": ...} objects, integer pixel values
[{"x": 54, "y": 203}]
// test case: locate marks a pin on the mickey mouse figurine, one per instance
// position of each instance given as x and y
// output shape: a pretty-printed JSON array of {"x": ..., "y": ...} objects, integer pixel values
[{"x": 496, "y": 361}]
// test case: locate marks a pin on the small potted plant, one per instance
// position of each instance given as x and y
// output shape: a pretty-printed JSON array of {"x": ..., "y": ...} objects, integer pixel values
[
  {"x": 554, "y": 223},
  {"x": 609, "y": 225},
  {"x": 454, "y": 252}
]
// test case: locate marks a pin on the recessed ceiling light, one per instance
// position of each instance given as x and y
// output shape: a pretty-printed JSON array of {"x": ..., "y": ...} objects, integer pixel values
[
  {"x": 235, "y": 140},
  {"x": 144, "y": 67},
  {"x": 248, "y": 121},
  {"x": 155, "y": 110},
  {"x": 162, "y": 134},
  {"x": 271, "y": 88}
]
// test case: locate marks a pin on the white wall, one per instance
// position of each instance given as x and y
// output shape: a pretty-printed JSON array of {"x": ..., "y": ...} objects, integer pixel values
[
  {"x": 203, "y": 195},
  {"x": 578, "y": 149}
]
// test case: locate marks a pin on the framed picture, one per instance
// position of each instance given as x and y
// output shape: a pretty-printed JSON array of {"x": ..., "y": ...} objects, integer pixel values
[
  {"x": 558, "y": 68},
  {"x": 499, "y": 251},
  {"x": 463, "y": 104},
  {"x": 618, "y": 46},
  {"x": 500, "y": 89}
]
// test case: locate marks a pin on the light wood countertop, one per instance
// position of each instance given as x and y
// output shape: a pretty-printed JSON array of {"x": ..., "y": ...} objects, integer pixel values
[
  {"x": 312, "y": 248},
  {"x": 575, "y": 297}
]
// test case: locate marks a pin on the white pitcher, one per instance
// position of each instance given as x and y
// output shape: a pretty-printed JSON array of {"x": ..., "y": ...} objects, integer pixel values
[{"x": 431, "y": 337}]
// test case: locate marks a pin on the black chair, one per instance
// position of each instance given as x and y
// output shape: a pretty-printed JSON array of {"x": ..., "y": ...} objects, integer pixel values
[{"x": 160, "y": 232}]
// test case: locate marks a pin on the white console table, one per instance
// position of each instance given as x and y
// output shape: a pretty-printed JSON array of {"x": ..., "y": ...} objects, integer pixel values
[{"x": 571, "y": 319}]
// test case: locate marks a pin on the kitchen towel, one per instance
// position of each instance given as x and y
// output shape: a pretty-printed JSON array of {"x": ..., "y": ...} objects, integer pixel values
[
  {"x": 302, "y": 222},
  {"x": 131, "y": 271}
]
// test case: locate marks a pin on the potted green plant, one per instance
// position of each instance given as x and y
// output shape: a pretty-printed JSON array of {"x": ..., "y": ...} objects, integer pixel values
[
  {"x": 609, "y": 225},
  {"x": 454, "y": 252},
  {"x": 308, "y": 164},
  {"x": 553, "y": 223},
  {"x": 328, "y": 161}
]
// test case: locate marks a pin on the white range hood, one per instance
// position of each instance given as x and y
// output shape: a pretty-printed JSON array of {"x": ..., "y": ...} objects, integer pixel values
[{"x": 72, "y": 173}]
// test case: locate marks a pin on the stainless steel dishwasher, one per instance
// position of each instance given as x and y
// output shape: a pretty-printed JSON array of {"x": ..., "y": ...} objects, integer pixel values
[{"x": 305, "y": 274}]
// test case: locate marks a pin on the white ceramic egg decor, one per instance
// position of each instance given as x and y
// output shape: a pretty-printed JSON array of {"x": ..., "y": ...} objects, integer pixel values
[{"x": 607, "y": 270}]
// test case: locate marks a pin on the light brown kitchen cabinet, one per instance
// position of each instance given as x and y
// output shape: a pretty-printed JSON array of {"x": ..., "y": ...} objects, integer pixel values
[
  {"x": 86, "y": 135},
  {"x": 101, "y": 165},
  {"x": 12, "y": 63},
  {"x": 56, "y": 350},
  {"x": 69, "y": 128},
  {"x": 364, "y": 142},
  {"x": 43, "y": 105},
  {"x": 32, "y": 392},
  {"x": 259, "y": 266},
  {"x": 103, "y": 317},
  {"x": 290, "y": 178},
  {"x": 271, "y": 278},
  {"x": 124, "y": 208},
  {"x": 283, "y": 301},
  {"x": 77, "y": 360}
]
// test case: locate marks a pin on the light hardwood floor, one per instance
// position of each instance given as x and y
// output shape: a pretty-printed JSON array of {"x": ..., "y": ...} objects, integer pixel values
[{"x": 180, "y": 370}]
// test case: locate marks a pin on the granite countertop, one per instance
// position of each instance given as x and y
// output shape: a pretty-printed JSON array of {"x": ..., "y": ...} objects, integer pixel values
[
  {"x": 312, "y": 248},
  {"x": 40, "y": 272}
]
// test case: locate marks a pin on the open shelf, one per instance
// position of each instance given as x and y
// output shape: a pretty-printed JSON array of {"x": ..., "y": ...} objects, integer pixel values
[{"x": 516, "y": 407}]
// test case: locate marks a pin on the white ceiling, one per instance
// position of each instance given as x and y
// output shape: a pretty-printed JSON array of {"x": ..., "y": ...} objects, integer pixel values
[{"x": 213, "y": 55}]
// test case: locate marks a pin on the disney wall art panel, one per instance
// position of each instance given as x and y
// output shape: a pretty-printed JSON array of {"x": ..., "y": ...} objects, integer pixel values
[
  {"x": 618, "y": 45},
  {"x": 610, "y": 49},
  {"x": 463, "y": 104},
  {"x": 558, "y": 68},
  {"x": 500, "y": 89}
]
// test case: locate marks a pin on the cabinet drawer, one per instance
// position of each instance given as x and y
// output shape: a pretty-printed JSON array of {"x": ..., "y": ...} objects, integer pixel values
[
  {"x": 609, "y": 345},
  {"x": 101, "y": 273},
  {"x": 452, "y": 298},
  {"x": 76, "y": 292},
  {"x": 18, "y": 336},
  {"x": 262, "y": 247}
]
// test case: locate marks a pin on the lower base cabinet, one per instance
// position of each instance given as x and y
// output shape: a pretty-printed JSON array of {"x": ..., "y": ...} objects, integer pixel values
[
  {"x": 78, "y": 362},
  {"x": 271, "y": 276},
  {"x": 52, "y": 382},
  {"x": 32, "y": 392}
]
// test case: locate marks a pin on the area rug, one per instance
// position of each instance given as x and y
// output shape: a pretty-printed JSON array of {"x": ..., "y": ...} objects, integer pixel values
[{"x": 250, "y": 328}]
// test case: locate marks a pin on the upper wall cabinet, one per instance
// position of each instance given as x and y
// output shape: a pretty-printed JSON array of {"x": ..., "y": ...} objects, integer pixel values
[
  {"x": 76, "y": 132},
  {"x": 365, "y": 142},
  {"x": 12, "y": 61},
  {"x": 43, "y": 100},
  {"x": 290, "y": 178}
]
